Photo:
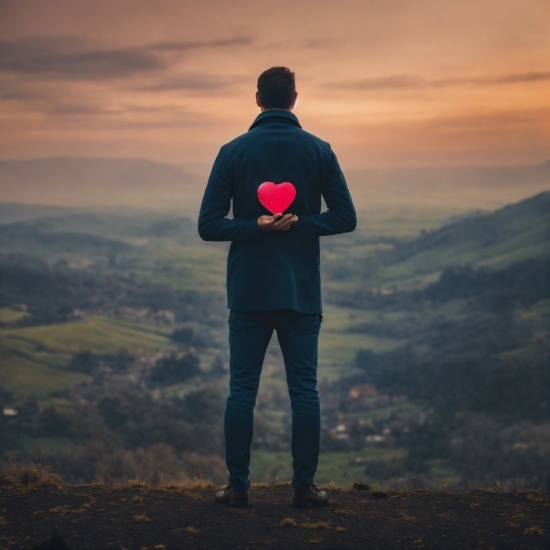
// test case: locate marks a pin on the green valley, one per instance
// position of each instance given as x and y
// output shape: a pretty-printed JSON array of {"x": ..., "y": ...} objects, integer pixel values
[{"x": 113, "y": 348}]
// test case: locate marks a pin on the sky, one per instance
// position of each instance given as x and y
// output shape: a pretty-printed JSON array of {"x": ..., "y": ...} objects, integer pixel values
[{"x": 388, "y": 83}]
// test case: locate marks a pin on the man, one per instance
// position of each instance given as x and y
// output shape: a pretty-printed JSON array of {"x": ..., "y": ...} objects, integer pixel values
[{"x": 273, "y": 271}]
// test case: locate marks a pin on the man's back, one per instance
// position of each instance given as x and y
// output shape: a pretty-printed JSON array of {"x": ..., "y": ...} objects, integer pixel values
[
  {"x": 273, "y": 273},
  {"x": 275, "y": 270}
]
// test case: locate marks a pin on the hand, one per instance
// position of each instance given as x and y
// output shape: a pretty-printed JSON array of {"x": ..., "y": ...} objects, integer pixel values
[{"x": 277, "y": 222}]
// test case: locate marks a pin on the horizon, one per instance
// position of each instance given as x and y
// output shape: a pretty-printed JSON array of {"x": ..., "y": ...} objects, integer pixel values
[
  {"x": 207, "y": 165},
  {"x": 107, "y": 182}
]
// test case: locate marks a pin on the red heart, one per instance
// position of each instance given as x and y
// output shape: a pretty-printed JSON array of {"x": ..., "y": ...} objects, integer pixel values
[{"x": 276, "y": 197}]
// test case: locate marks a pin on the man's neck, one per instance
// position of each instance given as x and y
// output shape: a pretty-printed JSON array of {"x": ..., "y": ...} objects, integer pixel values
[{"x": 276, "y": 109}]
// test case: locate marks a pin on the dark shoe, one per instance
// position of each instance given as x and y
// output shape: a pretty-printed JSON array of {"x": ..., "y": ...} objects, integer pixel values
[
  {"x": 232, "y": 497},
  {"x": 308, "y": 498}
]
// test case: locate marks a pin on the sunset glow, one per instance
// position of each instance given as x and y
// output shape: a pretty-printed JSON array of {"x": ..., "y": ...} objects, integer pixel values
[{"x": 386, "y": 83}]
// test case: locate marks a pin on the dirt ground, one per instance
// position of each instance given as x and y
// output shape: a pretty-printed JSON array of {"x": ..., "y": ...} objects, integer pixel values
[{"x": 140, "y": 517}]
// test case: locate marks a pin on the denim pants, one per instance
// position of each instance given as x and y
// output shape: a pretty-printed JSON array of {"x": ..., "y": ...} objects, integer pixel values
[{"x": 249, "y": 336}]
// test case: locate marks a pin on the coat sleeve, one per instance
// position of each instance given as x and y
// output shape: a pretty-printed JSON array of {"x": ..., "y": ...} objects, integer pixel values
[
  {"x": 340, "y": 216},
  {"x": 213, "y": 224}
]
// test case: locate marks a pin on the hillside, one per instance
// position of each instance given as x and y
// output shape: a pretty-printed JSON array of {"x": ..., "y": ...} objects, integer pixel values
[{"x": 514, "y": 233}]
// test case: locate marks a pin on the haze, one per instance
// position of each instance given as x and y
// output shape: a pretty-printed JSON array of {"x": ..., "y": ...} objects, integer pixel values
[{"x": 388, "y": 84}]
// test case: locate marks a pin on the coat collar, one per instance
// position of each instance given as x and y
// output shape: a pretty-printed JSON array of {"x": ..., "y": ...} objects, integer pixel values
[{"x": 275, "y": 115}]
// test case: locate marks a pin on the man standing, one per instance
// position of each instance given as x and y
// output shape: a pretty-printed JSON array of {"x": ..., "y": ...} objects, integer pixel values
[{"x": 273, "y": 271}]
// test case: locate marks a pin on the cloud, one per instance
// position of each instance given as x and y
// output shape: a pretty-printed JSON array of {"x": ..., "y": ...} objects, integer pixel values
[
  {"x": 396, "y": 82},
  {"x": 496, "y": 122},
  {"x": 18, "y": 91},
  {"x": 322, "y": 42},
  {"x": 194, "y": 45},
  {"x": 57, "y": 58},
  {"x": 191, "y": 81},
  {"x": 413, "y": 82},
  {"x": 490, "y": 80},
  {"x": 70, "y": 58}
]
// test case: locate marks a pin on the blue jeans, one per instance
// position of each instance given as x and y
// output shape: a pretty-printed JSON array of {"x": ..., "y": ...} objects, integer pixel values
[{"x": 249, "y": 336}]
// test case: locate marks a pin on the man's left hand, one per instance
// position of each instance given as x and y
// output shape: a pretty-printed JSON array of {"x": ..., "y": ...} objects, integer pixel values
[{"x": 277, "y": 222}]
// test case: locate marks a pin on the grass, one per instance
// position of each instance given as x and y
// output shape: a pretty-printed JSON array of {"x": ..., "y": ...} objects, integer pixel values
[
  {"x": 34, "y": 445},
  {"x": 535, "y": 530},
  {"x": 100, "y": 334},
  {"x": 316, "y": 525},
  {"x": 200, "y": 267},
  {"x": 341, "y": 468},
  {"x": 32, "y": 359},
  {"x": 540, "y": 310},
  {"x": 337, "y": 347},
  {"x": 9, "y": 315},
  {"x": 24, "y": 376},
  {"x": 461, "y": 246},
  {"x": 142, "y": 517},
  {"x": 443, "y": 476},
  {"x": 28, "y": 475},
  {"x": 337, "y": 351},
  {"x": 397, "y": 411}
]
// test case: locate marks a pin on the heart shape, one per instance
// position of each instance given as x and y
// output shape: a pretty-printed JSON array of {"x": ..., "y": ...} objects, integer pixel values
[{"x": 276, "y": 197}]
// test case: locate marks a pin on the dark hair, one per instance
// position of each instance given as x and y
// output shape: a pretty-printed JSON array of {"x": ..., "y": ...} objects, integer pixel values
[{"x": 276, "y": 88}]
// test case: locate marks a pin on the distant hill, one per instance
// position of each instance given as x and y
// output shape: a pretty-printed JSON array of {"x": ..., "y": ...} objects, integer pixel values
[
  {"x": 455, "y": 188},
  {"x": 13, "y": 212},
  {"x": 516, "y": 232},
  {"x": 108, "y": 182},
  {"x": 98, "y": 182}
]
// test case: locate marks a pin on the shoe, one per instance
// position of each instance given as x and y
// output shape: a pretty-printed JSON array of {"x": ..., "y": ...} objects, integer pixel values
[
  {"x": 232, "y": 497},
  {"x": 308, "y": 498}
]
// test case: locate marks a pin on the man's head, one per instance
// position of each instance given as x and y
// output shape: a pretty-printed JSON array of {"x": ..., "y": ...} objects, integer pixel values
[{"x": 276, "y": 89}]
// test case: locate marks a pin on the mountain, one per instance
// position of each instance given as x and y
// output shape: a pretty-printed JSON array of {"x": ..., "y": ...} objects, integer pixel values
[
  {"x": 98, "y": 182},
  {"x": 112, "y": 182},
  {"x": 455, "y": 188},
  {"x": 13, "y": 212}
]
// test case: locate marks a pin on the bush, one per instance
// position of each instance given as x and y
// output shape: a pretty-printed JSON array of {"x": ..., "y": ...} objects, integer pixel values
[{"x": 174, "y": 369}]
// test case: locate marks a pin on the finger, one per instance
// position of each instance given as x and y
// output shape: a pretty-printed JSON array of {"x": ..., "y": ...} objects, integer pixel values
[
  {"x": 288, "y": 222},
  {"x": 284, "y": 227},
  {"x": 282, "y": 220}
]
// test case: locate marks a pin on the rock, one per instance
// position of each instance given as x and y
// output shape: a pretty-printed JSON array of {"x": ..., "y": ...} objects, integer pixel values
[{"x": 55, "y": 543}]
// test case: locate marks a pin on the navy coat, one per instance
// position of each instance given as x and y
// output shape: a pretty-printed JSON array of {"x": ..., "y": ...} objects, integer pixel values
[{"x": 280, "y": 269}]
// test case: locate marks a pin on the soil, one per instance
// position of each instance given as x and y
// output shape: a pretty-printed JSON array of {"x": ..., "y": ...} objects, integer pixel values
[{"x": 168, "y": 518}]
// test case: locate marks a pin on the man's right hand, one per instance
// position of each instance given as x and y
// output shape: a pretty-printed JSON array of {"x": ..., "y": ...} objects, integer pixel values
[{"x": 277, "y": 222}]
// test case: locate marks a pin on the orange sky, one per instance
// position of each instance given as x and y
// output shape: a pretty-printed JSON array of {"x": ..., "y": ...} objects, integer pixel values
[{"x": 386, "y": 82}]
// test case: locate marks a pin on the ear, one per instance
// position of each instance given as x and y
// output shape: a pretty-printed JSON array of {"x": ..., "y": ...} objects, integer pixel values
[
  {"x": 293, "y": 104},
  {"x": 258, "y": 101}
]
